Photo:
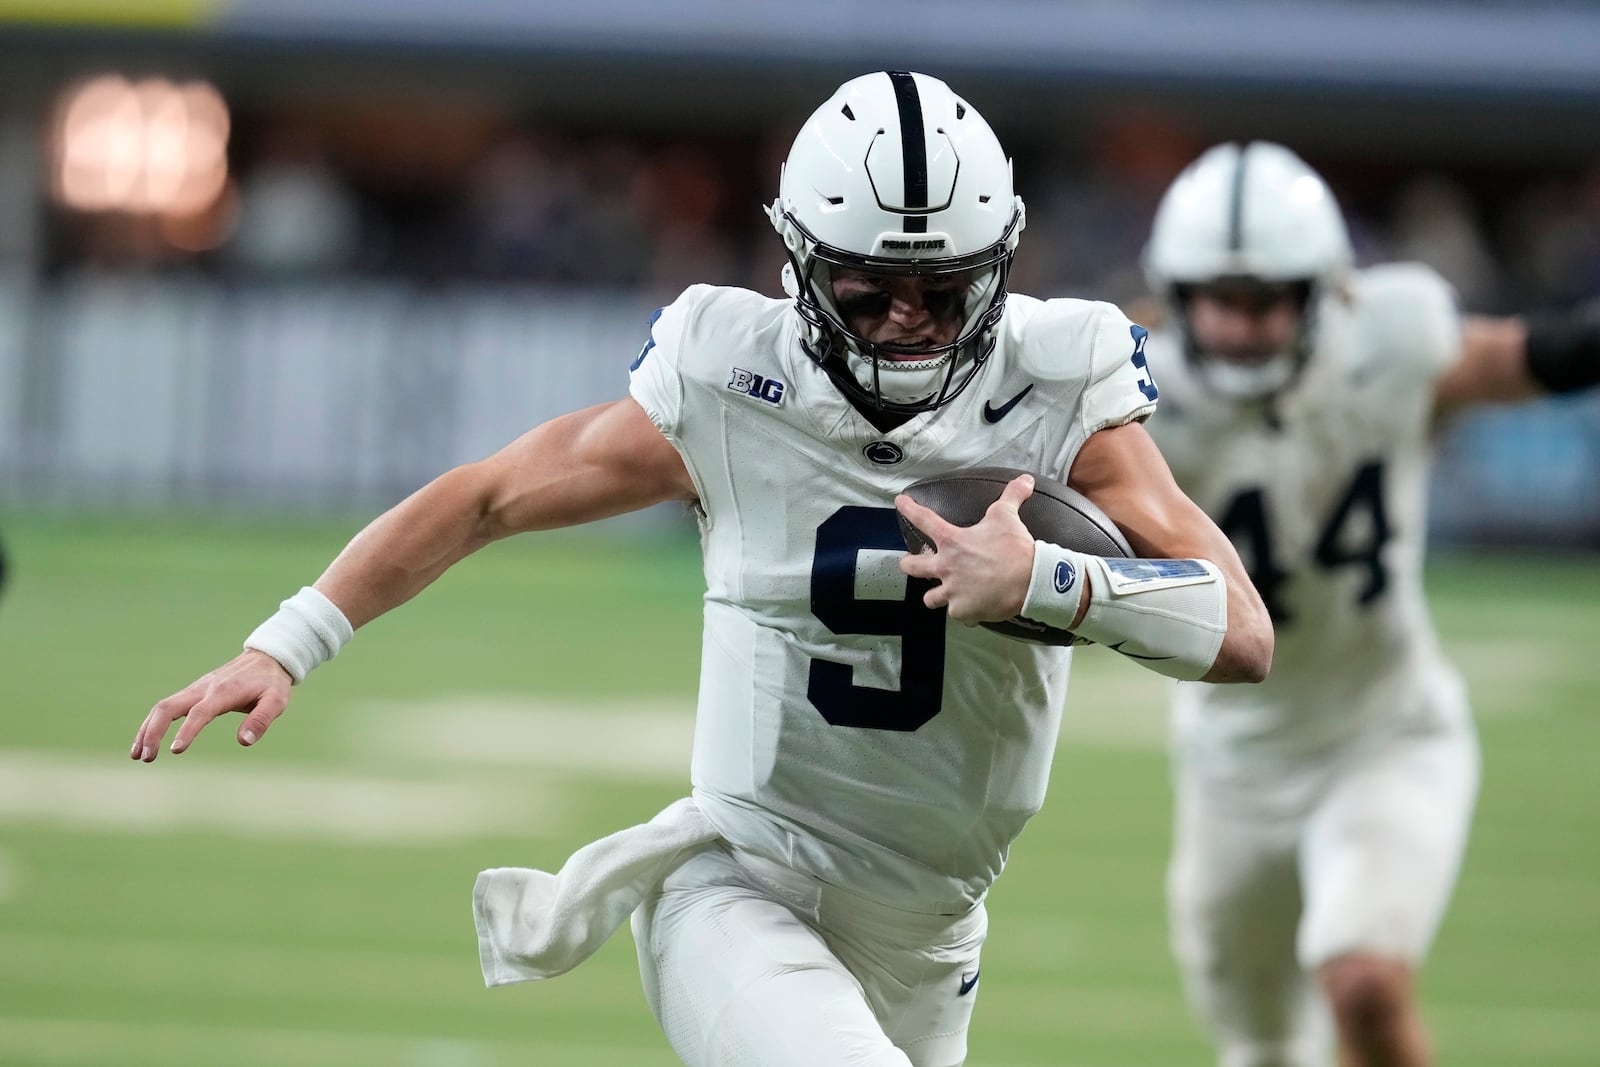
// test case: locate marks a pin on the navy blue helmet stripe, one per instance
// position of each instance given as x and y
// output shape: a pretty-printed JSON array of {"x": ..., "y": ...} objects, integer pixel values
[
  {"x": 913, "y": 147},
  {"x": 1236, "y": 204}
]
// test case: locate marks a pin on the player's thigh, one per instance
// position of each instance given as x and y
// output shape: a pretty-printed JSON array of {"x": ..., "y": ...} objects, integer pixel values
[
  {"x": 1383, "y": 850},
  {"x": 737, "y": 979},
  {"x": 920, "y": 973},
  {"x": 1234, "y": 905}
]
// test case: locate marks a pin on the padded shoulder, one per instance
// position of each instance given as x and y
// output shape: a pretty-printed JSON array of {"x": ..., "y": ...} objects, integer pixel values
[
  {"x": 690, "y": 340},
  {"x": 1091, "y": 346},
  {"x": 1405, "y": 316}
]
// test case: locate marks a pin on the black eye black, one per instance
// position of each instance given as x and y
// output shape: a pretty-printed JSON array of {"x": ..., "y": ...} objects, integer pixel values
[
  {"x": 942, "y": 303},
  {"x": 870, "y": 305}
]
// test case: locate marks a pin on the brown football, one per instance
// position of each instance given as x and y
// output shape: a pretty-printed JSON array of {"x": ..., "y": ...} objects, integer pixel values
[{"x": 1054, "y": 513}]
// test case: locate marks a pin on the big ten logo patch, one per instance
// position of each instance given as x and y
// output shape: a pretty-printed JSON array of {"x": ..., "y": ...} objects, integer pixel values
[{"x": 751, "y": 384}]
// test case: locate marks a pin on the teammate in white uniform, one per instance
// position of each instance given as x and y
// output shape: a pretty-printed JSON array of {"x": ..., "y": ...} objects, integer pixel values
[
  {"x": 1321, "y": 816},
  {"x": 865, "y": 761}
]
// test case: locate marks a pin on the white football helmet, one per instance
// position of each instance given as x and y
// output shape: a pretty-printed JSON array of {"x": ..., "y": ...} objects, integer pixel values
[
  {"x": 896, "y": 174},
  {"x": 1247, "y": 215}
]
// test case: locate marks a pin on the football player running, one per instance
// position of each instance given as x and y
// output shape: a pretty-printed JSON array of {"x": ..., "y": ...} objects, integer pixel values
[
  {"x": 861, "y": 763},
  {"x": 1321, "y": 817}
]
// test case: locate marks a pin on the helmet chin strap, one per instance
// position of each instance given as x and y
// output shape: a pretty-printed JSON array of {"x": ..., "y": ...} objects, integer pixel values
[
  {"x": 1237, "y": 381},
  {"x": 900, "y": 382}
]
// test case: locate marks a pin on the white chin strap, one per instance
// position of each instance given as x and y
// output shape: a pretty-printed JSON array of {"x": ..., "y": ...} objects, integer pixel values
[
  {"x": 901, "y": 381},
  {"x": 1238, "y": 381}
]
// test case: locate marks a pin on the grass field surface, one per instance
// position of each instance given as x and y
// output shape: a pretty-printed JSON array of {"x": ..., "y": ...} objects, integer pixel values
[{"x": 308, "y": 901}]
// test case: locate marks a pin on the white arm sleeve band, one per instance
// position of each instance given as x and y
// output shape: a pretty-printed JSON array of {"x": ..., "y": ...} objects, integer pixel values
[
  {"x": 307, "y": 631},
  {"x": 1169, "y": 615}
]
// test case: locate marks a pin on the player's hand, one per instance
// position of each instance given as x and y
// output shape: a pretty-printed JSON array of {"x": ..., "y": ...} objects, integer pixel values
[
  {"x": 982, "y": 571},
  {"x": 252, "y": 682}
]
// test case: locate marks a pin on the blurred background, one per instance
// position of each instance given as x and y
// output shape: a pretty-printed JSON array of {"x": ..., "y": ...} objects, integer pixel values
[{"x": 268, "y": 265}]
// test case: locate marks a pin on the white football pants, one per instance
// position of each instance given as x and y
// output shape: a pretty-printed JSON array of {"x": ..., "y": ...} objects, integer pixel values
[
  {"x": 749, "y": 964},
  {"x": 1258, "y": 905}
]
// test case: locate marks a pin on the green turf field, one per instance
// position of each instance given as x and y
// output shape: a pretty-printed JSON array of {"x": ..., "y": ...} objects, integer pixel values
[{"x": 307, "y": 902}]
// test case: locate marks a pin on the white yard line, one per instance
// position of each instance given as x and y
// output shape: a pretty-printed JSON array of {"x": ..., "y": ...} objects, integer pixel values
[
  {"x": 103, "y": 1041},
  {"x": 112, "y": 792},
  {"x": 628, "y": 739}
]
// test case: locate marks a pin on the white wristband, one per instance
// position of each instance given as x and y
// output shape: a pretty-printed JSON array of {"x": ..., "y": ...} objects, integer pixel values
[
  {"x": 1056, "y": 587},
  {"x": 307, "y": 631}
]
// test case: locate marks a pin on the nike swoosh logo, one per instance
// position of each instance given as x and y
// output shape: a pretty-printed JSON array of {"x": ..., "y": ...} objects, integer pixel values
[
  {"x": 1134, "y": 655},
  {"x": 995, "y": 414},
  {"x": 968, "y": 983}
]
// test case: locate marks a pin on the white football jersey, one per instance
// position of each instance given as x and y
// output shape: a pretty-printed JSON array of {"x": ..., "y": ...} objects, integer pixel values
[
  {"x": 1323, "y": 491},
  {"x": 843, "y": 728}
]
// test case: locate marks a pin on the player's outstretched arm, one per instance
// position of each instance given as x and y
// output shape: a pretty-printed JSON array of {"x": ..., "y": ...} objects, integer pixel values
[
  {"x": 579, "y": 467},
  {"x": 1123, "y": 471},
  {"x": 1506, "y": 360},
  {"x": 583, "y": 466}
]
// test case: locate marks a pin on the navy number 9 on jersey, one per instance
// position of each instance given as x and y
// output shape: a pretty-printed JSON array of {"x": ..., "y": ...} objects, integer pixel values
[{"x": 831, "y": 687}]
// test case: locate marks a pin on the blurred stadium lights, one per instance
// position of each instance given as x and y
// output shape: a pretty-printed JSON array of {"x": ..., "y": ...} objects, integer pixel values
[
  {"x": 147, "y": 147},
  {"x": 145, "y": 158}
]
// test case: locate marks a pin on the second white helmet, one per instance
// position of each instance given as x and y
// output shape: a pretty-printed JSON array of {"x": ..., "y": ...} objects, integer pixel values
[
  {"x": 1248, "y": 213},
  {"x": 896, "y": 174}
]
